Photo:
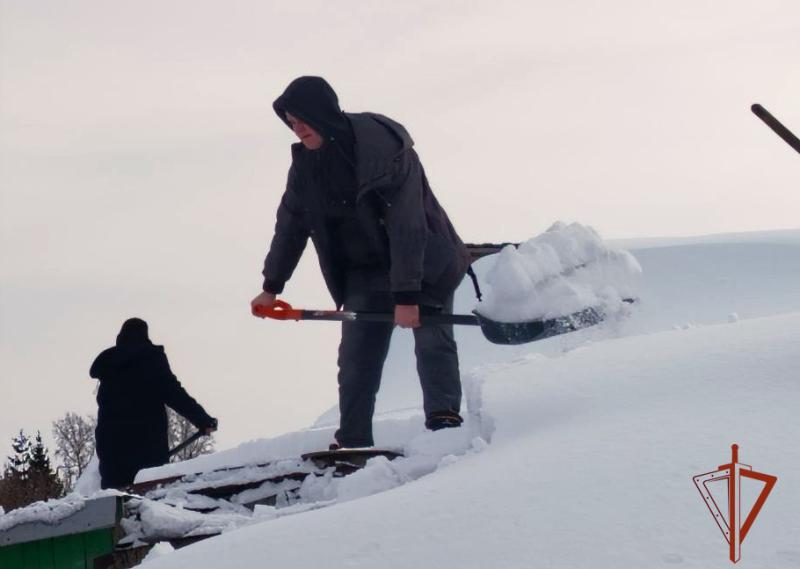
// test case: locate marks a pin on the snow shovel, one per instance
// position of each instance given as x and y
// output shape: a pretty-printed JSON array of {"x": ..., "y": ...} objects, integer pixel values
[
  {"x": 186, "y": 443},
  {"x": 506, "y": 333}
]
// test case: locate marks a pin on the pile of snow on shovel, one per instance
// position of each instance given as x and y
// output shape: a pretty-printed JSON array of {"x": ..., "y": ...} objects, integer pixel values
[{"x": 562, "y": 271}]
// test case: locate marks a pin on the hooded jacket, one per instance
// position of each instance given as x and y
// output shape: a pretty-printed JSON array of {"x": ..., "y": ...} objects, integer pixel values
[
  {"x": 136, "y": 383},
  {"x": 394, "y": 204}
]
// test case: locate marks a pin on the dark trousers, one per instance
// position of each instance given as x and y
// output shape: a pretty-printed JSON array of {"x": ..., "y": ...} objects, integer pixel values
[
  {"x": 121, "y": 458},
  {"x": 362, "y": 352}
]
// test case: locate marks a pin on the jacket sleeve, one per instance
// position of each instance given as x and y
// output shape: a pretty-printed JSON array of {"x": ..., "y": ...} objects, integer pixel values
[
  {"x": 407, "y": 229},
  {"x": 289, "y": 240},
  {"x": 100, "y": 364},
  {"x": 176, "y": 397}
]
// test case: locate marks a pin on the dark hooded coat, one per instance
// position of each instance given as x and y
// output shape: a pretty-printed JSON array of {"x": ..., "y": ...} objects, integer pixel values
[
  {"x": 136, "y": 383},
  {"x": 368, "y": 169}
]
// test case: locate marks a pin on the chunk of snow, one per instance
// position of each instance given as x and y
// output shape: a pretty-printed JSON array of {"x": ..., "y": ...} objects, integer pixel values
[
  {"x": 89, "y": 481},
  {"x": 161, "y": 521},
  {"x": 158, "y": 550},
  {"x": 49, "y": 512},
  {"x": 563, "y": 270}
]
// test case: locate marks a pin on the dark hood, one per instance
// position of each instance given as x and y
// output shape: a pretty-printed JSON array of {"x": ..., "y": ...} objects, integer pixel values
[
  {"x": 313, "y": 100},
  {"x": 133, "y": 332},
  {"x": 122, "y": 356}
]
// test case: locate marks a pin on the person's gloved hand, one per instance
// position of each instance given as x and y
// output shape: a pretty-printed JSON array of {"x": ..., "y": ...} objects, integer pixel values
[
  {"x": 406, "y": 315},
  {"x": 211, "y": 427},
  {"x": 265, "y": 299}
]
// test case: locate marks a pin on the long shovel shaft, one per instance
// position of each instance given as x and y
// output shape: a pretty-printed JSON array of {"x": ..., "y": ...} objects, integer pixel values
[
  {"x": 284, "y": 311},
  {"x": 186, "y": 443},
  {"x": 425, "y": 319},
  {"x": 496, "y": 332}
]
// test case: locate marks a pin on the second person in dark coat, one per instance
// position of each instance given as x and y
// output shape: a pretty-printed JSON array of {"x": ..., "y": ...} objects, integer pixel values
[{"x": 136, "y": 383}]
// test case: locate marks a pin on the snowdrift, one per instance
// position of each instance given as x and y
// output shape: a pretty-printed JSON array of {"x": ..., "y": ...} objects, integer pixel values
[
  {"x": 590, "y": 463},
  {"x": 579, "y": 450}
]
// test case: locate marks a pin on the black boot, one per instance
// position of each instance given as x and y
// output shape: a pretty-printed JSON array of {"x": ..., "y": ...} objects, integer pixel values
[{"x": 443, "y": 420}]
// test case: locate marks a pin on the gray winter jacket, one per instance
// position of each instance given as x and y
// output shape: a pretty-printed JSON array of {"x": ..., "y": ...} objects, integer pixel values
[{"x": 424, "y": 256}]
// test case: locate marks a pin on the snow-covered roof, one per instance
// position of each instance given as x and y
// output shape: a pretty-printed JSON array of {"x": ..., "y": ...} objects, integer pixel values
[
  {"x": 590, "y": 441},
  {"x": 53, "y": 518}
]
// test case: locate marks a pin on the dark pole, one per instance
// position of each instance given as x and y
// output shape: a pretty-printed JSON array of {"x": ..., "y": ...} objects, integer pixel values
[
  {"x": 776, "y": 126},
  {"x": 186, "y": 443}
]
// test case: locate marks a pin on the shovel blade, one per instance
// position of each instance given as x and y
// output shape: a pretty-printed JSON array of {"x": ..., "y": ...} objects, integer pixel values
[{"x": 512, "y": 333}]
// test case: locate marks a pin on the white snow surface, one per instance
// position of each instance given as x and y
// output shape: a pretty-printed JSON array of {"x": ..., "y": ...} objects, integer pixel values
[
  {"x": 89, "y": 481},
  {"x": 577, "y": 451},
  {"x": 159, "y": 550},
  {"x": 49, "y": 512}
]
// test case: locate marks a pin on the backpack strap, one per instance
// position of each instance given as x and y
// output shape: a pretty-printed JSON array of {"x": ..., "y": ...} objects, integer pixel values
[{"x": 475, "y": 285}]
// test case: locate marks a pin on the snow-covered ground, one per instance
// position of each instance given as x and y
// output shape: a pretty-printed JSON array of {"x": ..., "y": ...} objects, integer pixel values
[{"x": 578, "y": 451}]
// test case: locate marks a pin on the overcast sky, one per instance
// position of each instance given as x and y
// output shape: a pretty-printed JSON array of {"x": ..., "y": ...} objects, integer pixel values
[{"x": 141, "y": 162}]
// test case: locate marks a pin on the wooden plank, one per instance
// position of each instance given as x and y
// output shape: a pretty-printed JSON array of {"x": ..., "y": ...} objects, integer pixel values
[
  {"x": 122, "y": 559},
  {"x": 231, "y": 489},
  {"x": 344, "y": 461},
  {"x": 184, "y": 541},
  {"x": 143, "y": 488},
  {"x": 348, "y": 460}
]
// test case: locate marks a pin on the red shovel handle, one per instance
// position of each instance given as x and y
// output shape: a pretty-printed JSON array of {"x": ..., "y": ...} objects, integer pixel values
[{"x": 280, "y": 310}]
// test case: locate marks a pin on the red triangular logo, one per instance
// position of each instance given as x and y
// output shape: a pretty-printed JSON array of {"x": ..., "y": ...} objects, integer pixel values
[{"x": 731, "y": 526}]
